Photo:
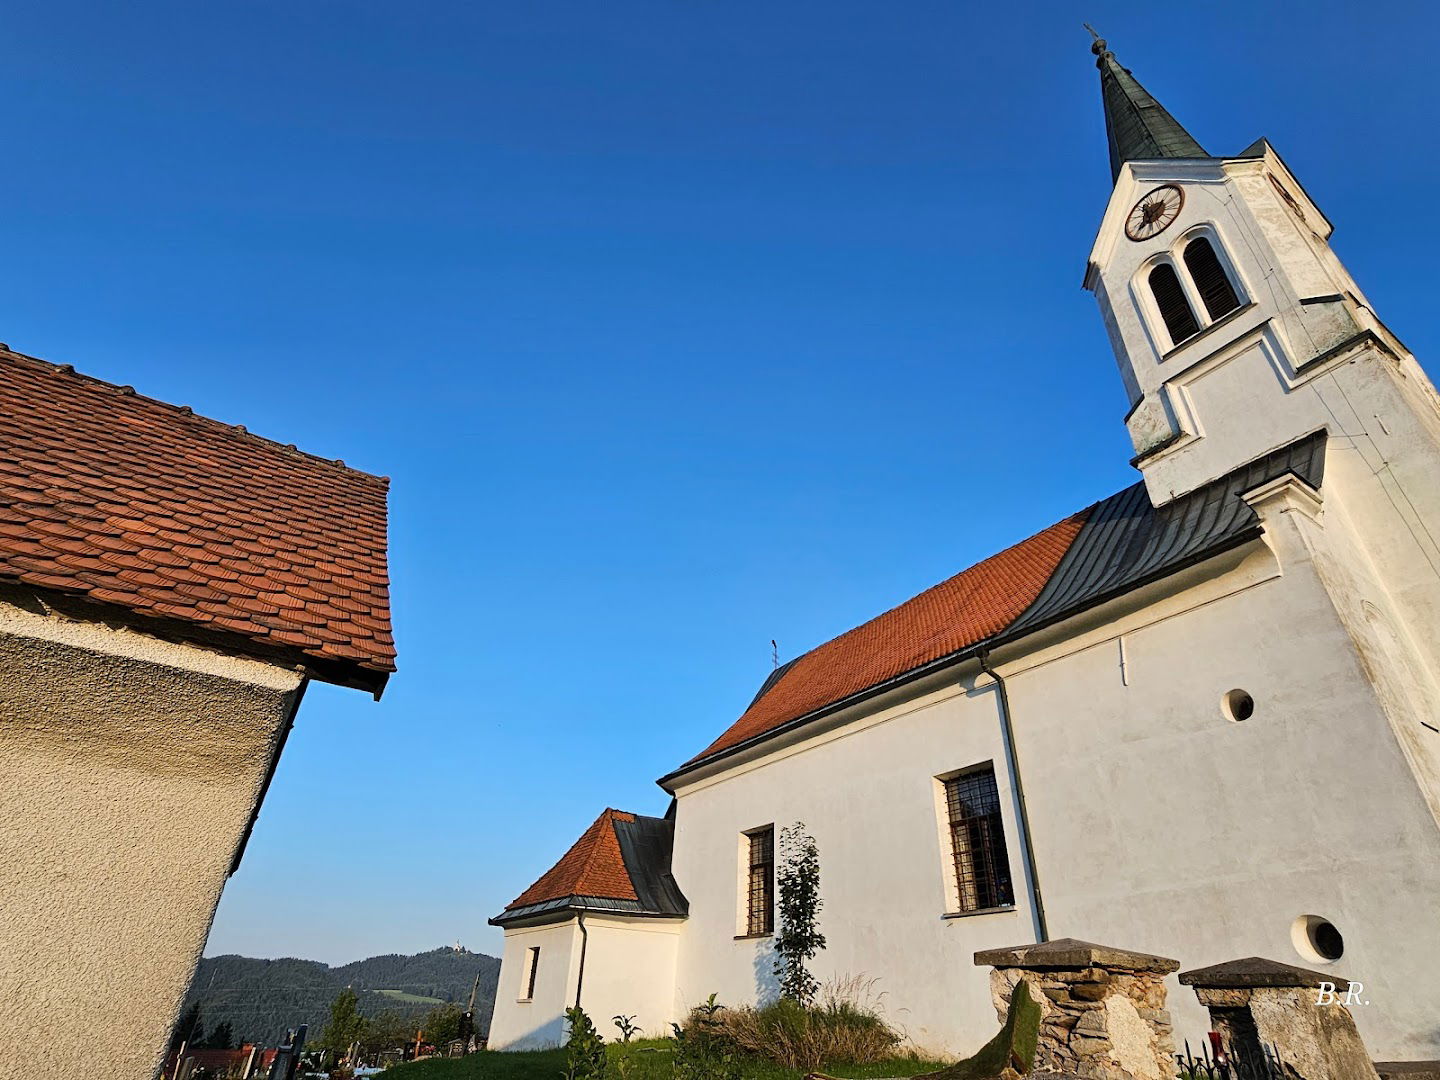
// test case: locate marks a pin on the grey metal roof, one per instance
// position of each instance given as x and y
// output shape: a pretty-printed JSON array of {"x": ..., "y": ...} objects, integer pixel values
[
  {"x": 1137, "y": 125},
  {"x": 1126, "y": 542},
  {"x": 645, "y": 845}
]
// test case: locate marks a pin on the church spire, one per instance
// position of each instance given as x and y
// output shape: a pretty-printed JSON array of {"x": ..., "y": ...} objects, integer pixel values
[{"x": 1138, "y": 126}]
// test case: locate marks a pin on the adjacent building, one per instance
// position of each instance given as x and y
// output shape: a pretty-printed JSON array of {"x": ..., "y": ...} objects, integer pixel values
[
  {"x": 1200, "y": 717},
  {"x": 169, "y": 585}
]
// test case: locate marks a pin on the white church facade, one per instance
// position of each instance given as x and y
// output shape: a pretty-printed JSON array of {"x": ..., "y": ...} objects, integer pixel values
[{"x": 1200, "y": 718}]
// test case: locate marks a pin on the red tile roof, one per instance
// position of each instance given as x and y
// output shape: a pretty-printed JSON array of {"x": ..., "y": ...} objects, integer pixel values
[
  {"x": 230, "y": 539},
  {"x": 969, "y": 607},
  {"x": 592, "y": 867}
]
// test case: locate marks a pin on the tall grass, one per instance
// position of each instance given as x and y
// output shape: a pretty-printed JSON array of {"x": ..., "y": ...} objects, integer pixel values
[{"x": 846, "y": 1024}]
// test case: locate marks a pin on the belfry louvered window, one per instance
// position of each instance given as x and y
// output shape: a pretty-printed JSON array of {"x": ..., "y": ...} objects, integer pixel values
[
  {"x": 1211, "y": 281},
  {"x": 760, "y": 882},
  {"x": 1174, "y": 308},
  {"x": 977, "y": 841}
]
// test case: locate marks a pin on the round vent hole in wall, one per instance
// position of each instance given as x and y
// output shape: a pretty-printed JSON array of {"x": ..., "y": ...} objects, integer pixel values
[
  {"x": 1316, "y": 939},
  {"x": 1237, "y": 705}
]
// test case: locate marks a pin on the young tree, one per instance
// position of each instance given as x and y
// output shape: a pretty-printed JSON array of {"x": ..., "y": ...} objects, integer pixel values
[
  {"x": 584, "y": 1048},
  {"x": 442, "y": 1023},
  {"x": 389, "y": 1031},
  {"x": 221, "y": 1037},
  {"x": 188, "y": 1029},
  {"x": 798, "y": 937},
  {"x": 345, "y": 1025}
]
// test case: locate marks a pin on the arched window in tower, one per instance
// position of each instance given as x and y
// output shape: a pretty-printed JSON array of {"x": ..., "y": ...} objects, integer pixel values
[
  {"x": 1211, "y": 281},
  {"x": 1174, "y": 307}
]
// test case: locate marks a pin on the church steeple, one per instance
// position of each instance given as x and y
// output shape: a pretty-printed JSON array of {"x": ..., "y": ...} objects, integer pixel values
[{"x": 1138, "y": 126}]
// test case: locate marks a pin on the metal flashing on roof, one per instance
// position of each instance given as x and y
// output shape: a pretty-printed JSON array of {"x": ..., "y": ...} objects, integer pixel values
[
  {"x": 646, "y": 845},
  {"x": 1127, "y": 542}
]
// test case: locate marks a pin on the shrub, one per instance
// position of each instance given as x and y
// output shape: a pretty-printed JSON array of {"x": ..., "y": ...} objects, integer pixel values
[
  {"x": 584, "y": 1049},
  {"x": 702, "y": 1049},
  {"x": 845, "y": 1025}
]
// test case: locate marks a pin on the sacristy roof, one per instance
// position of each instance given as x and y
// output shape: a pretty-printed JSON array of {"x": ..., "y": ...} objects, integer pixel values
[{"x": 620, "y": 865}]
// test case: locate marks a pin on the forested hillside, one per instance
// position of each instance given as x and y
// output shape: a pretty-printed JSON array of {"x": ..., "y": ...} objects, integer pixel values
[{"x": 260, "y": 999}]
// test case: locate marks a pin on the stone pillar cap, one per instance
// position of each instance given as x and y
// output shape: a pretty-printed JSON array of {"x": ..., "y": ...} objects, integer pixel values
[
  {"x": 1256, "y": 971},
  {"x": 1072, "y": 953}
]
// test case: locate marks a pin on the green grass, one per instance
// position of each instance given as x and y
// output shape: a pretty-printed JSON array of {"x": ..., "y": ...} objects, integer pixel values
[{"x": 651, "y": 1059}]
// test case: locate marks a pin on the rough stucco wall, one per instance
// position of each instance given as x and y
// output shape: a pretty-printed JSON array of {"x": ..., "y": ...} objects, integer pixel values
[{"x": 130, "y": 769}]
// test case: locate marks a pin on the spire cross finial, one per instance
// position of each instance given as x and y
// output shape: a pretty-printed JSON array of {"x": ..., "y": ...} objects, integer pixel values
[{"x": 1100, "y": 47}]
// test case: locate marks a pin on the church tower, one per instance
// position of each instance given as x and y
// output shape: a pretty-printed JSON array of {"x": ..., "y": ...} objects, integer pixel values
[
  {"x": 1238, "y": 332},
  {"x": 1226, "y": 307}
]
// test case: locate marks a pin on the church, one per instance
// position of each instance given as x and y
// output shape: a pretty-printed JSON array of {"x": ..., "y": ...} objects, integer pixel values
[{"x": 1198, "y": 718}]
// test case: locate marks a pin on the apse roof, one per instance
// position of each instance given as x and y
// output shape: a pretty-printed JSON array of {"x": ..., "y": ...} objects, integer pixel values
[{"x": 620, "y": 864}]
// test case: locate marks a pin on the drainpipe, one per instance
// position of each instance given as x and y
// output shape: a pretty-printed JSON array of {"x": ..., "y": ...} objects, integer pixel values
[
  {"x": 1013, "y": 764},
  {"x": 584, "y": 943}
]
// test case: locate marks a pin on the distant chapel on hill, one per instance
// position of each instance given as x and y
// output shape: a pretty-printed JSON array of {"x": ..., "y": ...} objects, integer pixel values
[{"x": 1199, "y": 718}]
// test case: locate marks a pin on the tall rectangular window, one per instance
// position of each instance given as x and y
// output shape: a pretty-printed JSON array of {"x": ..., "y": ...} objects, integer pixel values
[
  {"x": 760, "y": 887},
  {"x": 527, "y": 976},
  {"x": 977, "y": 841}
]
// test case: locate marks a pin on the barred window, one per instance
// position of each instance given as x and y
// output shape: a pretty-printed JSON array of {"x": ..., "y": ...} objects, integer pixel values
[
  {"x": 1211, "y": 281},
  {"x": 977, "y": 841},
  {"x": 1174, "y": 307},
  {"x": 760, "y": 884}
]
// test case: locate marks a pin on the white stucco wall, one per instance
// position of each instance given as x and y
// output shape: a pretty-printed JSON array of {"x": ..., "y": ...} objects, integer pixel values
[
  {"x": 629, "y": 970},
  {"x": 130, "y": 769},
  {"x": 1158, "y": 823},
  {"x": 521, "y": 1023}
]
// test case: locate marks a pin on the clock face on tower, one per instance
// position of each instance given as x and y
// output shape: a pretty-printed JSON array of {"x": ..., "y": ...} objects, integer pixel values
[{"x": 1154, "y": 213}]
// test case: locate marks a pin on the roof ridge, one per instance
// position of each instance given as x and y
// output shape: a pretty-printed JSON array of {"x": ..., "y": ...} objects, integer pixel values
[{"x": 239, "y": 430}]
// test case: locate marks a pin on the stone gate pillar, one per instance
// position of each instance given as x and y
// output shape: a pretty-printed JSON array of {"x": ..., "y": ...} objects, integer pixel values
[
  {"x": 1103, "y": 1010},
  {"x": 1260, "y": 1005}
]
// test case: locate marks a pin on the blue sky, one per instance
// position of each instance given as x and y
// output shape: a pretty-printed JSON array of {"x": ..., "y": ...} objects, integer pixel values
[{"x": 677, "y": 326}]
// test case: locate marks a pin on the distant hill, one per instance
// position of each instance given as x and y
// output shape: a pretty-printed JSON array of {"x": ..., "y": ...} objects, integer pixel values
[{"x": 261, "y": 999}]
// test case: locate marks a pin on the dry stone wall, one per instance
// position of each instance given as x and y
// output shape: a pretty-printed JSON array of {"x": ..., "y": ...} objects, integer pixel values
[{"x": 1103, "y": 1010}]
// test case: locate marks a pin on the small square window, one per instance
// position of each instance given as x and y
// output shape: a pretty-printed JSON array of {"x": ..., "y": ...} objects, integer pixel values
[{"x": 760, "y": 882}]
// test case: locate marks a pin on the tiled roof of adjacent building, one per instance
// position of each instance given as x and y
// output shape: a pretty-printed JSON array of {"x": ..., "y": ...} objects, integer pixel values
[
  {"x": 201, "y": 530},
  {"x": 620, "y": 864},
  {"x": 1118, "y": 544}
]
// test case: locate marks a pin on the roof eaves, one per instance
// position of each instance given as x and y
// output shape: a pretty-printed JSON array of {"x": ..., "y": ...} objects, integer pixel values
[
  {"x": 563, "y": 906},
  {"x": 76, "y": 604}
]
